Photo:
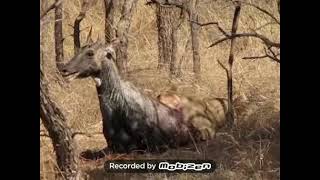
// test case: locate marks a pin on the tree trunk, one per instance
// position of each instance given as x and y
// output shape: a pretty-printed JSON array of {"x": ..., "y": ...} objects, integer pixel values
[
  {"x": 122, "y": 31},
  {"x": 109, "y": 19},
  {"x": 55, "y": 123},
  {"x": 183, "y": 58},
  {"x": 230, "y": 114},
  {"x": 194, "y": 17},
  {"x": 58, "y": 36},
  {"x": 167, "y": 23},
  {"x": 86, "y": 4}
]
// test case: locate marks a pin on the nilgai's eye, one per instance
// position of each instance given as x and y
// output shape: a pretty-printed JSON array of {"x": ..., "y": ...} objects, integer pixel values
[
  {"x": 109, "y": 55},
  {"x": 90, "y": 53}
]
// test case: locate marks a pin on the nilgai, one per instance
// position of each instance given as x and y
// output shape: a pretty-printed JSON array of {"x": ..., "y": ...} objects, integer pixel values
[{"x": 134, "y": 121}]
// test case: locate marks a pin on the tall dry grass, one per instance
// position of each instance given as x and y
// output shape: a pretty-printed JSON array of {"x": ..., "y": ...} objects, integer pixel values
[{"x": 257, "y": 82}]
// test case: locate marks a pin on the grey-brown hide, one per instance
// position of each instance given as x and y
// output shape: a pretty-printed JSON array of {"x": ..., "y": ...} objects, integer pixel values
[
  {"x": 88, "y": 61},
  {"x": 131, "y": 120}
]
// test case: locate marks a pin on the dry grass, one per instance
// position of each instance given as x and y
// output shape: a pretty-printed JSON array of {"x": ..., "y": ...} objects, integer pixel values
[{"x": 251, "y": 151}]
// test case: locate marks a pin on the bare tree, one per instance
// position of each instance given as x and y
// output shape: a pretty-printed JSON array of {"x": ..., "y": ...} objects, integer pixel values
[
  {"x": 122, "y": 30},
  {"x": 191, "y": 8},
  {"x": 53, "y": 119},
  {"x": 272, "y": 49},
  {"x": 58, "y": 35},
  {"x": 230, "y": 113},
  {"x": 55, "y": 123}
]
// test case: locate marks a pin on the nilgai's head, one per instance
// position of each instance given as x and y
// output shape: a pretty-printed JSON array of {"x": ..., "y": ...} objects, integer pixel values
[{"x": 87, "y": 62}]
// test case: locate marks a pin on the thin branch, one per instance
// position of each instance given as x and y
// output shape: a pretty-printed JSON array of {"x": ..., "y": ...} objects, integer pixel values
[
  {"x": 256, "y": 57},
  {"x": 255, "y": 35},
  {"x": 223, "y": 67},
  {"x": 54, "y": 5},
  {"x": 264, "y": 25},
  {"x": 262, "y": 10},
  {"x": 273, "y": 53},
  {"x": 264, "y": 56},
  {"x": 71, "y": 35},
  {"x": 212, "y": 23},
  {"x": 273, "y": 57}
]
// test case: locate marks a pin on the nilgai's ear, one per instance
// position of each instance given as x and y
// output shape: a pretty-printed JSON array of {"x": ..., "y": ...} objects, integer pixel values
[{"x": 89, "y": 37}]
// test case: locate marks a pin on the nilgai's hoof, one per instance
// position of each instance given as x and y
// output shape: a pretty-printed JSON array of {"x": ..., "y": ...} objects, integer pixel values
[{"x": 94, "y": 154}]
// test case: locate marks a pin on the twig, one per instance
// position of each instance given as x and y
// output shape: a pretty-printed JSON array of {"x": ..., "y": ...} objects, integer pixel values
[
  {"x": 264, "y": 25},
  {"x": 262, "y": 10},
  {"x": 71, "y": 35},
  {"x": 273, "y": 57},
  {"x": 223, "y": 67},
  {"x": 211, "y": 23},
  {"x": 256, "y": 57}
]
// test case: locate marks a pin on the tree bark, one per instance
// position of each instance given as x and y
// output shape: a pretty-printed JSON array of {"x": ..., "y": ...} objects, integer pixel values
[
  {"x": 122, "y": 31},
  {"x": 167, "y": 24},
  {"x": 58, "y": 35},
  {"x": 194, "y": 27},
  {"x": 55, "y": 123},
  {"x": 109, "y": 19},
  {"x": 76, "y": 28}
]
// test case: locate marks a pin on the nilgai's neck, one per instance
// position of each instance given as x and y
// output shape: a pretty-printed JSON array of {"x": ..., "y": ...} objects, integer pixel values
[{"x": 110, "y": 88}]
